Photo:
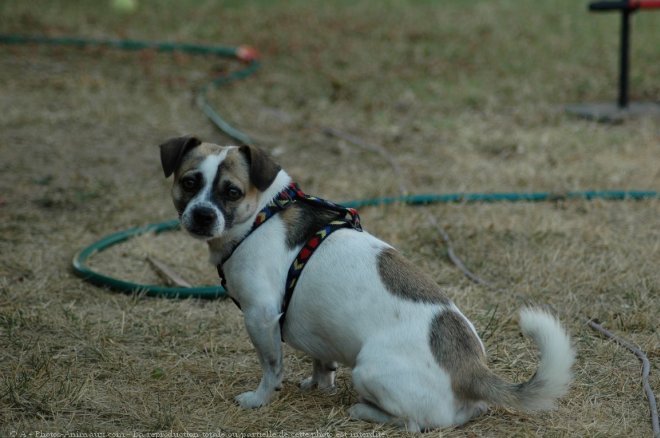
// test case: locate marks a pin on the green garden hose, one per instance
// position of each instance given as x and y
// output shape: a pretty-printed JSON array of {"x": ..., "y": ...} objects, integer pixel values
[
  {"x": 80, "y": 267},
  {"x": 245, "y": 54},
  {"x": 248, "y": 56},
  {"x": 80, "y": 259}
]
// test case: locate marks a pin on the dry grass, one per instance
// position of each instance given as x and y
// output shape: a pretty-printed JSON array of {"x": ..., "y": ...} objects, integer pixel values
[{"x": 465, "y": 95}]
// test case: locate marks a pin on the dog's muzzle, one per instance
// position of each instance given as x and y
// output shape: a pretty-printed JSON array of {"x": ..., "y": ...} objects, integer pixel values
[
  {"x": 204, "y": 216},
  {"x": 202, "y": 221}
]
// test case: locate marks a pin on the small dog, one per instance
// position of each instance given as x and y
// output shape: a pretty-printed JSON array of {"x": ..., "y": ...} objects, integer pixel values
[{"x": 417, "y": 361}]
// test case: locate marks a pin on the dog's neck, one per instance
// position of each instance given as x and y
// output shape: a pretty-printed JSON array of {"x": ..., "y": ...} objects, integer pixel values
[{"x": 221, "y": 247}]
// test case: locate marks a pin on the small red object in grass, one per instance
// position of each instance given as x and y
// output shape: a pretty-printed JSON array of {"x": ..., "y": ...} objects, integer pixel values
[{"x": 247, "y": 53}]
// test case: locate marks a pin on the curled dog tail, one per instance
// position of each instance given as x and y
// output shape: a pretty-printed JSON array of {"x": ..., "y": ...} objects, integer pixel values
[{"x": 552, "y": 377}]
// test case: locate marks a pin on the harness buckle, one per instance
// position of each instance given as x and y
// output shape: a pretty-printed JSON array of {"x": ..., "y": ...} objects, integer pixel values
[{"x": 282, "y": 203}]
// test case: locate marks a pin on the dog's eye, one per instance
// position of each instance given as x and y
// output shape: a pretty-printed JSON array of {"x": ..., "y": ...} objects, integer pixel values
[
  {"x": 189, "y": 183},
  {"x": 233, "y": 193}
]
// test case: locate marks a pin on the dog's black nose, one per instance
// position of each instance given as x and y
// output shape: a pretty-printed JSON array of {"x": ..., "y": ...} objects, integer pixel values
[{"x": 204, "y": 216}]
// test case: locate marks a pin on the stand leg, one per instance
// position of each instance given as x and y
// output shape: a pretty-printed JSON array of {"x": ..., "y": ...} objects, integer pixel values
[{"x": 625, "y": 58}]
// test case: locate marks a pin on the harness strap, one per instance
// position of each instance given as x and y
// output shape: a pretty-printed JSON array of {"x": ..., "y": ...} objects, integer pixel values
[
  {"x": 306, "y": 252},
  {"x": 284, "y": 199}
]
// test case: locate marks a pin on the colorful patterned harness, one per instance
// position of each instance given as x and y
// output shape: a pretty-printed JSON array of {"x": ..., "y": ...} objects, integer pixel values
[{"x": 347, "y": 218}]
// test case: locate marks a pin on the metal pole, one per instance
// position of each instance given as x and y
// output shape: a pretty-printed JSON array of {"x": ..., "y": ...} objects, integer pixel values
[{"x": 625, "y": 58}]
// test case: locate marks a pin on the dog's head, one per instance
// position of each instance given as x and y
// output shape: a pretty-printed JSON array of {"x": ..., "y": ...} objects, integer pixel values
[{"x": 215, "y": 187}]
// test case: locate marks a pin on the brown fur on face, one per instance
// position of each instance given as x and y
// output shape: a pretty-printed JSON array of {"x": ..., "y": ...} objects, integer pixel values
[
  {"x": 246, "y": 168},
  {"x": 235, "y": 170},
  {"x": 193, "y": 157},
  {"x": 189, "y": 163}
]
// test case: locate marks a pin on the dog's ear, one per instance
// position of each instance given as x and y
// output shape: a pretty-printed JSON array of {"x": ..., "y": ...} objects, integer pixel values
[
  {"x": 263, "y": 169},
  {"x": 173, "y": 150}
]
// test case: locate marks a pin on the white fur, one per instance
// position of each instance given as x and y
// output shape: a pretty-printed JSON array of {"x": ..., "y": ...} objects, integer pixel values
[
  {"x": 557, "y": 355},
  {"x": 341, "y": 312},
  {"x": 239, "y": 230},
  {"x": 208, "y": 169}
]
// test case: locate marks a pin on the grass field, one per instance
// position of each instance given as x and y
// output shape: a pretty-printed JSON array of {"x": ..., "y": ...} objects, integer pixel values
[{"x": 463, "y": 95}]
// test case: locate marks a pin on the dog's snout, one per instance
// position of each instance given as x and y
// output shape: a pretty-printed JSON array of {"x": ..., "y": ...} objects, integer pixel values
[
  {"x": 204, "y": 216},
  {"x": 202, "y": 221}
]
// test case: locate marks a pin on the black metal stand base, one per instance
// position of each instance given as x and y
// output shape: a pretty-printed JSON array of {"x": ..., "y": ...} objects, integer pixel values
[
  {"x": 623, "y": 109},
  {"x": 613, "y": 113}
]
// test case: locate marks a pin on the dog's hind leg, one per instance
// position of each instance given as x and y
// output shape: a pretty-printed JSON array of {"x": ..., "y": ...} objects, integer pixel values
[
  {"x": 408, "y": 390},
  {"x": 469, "y": 410},
  {"x": 323, "y": 376},
  {"x": 375, "y": 389},
  {"x": 368, "y": 412}
]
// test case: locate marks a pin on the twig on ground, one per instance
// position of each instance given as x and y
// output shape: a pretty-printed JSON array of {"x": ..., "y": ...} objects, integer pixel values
[
  {"x": 403, "y": 189},
  {"x": 646, "y": 369},
  {"x": 376, "y": 148},
  {"x": 168, "y": 273},
  {"x": 452, "y": 256}
]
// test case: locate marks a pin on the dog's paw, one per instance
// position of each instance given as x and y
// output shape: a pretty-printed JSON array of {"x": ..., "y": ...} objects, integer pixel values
[
  {"x": 310, "y": 383},
  {"x": 251, "y": 400},
  {"x": 307, "y": 384}
]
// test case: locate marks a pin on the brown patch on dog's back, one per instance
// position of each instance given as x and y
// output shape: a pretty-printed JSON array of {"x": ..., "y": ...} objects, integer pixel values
[
  {"x": 302, "y": 221},
  {"x": 457, "y": 350},
  {"x": 405, "y": 280}
]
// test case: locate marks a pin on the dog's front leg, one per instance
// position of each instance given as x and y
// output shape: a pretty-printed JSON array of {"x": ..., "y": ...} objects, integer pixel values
[{"x": 263, "y": 327}]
